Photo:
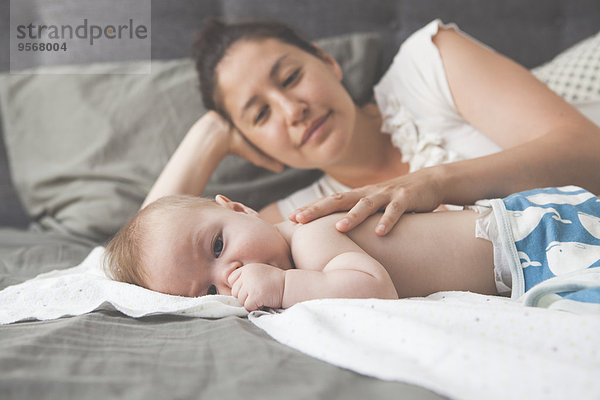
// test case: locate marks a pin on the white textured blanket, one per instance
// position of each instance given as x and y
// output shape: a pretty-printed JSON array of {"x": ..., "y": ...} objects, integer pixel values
[
  {"x": 86, "y": 288},
  {"x": 458, "y": 344}
]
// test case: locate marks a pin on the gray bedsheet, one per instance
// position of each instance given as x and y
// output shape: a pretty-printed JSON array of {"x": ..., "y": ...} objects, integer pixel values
[{"x": 107, "y": 355}]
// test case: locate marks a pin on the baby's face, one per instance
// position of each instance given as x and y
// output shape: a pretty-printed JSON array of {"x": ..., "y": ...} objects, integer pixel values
[{"x": 192, "y": 252}]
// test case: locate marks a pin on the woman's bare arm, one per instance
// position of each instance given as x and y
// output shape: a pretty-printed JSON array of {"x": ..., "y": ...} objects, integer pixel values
[
  {"x": 190, "y": 167},
  {"x": 205, "y": 145},
  {"x": 547, "y": 143}
]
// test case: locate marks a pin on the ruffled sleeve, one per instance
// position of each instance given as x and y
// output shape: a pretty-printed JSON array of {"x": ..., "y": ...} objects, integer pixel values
[
  {"x": 419, "y": 149},
  {"x": 416, "y": 103}
]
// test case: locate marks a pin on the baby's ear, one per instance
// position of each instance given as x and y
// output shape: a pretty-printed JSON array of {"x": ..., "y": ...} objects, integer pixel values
[{"x": 234, "y": 205}]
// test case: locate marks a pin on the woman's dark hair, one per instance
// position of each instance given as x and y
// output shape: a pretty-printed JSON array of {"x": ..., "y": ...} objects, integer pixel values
[{"x": 216, "y": 38}]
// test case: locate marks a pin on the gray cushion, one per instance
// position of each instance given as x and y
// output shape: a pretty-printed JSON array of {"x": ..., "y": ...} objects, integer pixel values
[
  {"x": 11, "y": 211},
  {"x": 85, "y": 143}
]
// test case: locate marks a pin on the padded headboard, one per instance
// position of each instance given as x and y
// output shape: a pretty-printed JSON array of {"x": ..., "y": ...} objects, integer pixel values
[{"x": 530, "y": 32}]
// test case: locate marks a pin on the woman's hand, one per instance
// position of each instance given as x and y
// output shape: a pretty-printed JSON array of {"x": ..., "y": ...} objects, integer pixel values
[
  {"x": 229, "y": 140},
  {"x": 418, "y": 191},
  {"x": 204, "y": 146}
]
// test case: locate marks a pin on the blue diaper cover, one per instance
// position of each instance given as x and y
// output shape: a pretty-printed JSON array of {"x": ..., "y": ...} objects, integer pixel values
[{"x": 543, "y": 234}]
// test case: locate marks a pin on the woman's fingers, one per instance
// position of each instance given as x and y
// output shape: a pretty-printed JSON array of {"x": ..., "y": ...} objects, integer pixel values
[
  {"x": 390, "y": 217},
  {"x": 361, "y": 203},
  {"x": 364, "y": 208},
  {"x": 325, "y": 206},
  {"x": 418, "y": 191}
]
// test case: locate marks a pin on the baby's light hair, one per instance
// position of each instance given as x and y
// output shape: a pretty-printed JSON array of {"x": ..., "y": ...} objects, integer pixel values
[{"x": 125, "y": 252}]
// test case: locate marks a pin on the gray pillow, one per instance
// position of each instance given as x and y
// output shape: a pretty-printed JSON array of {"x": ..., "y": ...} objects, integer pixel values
[{"x": 85, "y": 143}]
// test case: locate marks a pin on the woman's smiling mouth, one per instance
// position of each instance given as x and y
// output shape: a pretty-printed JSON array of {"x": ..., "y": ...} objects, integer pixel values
[{"x": 315, "y": 129}]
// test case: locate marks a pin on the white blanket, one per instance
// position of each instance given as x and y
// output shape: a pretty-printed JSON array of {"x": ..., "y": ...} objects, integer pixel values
[
  {"x": 458, "y": 344},
  {"x": 86, "y": 288}
]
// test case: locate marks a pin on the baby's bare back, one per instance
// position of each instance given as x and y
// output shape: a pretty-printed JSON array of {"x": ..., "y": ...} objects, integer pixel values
[{"x": 426, "y": 252}]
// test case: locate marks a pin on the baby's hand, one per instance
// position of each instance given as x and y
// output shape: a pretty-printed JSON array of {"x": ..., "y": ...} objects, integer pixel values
[{"x": 258, "y": 285}]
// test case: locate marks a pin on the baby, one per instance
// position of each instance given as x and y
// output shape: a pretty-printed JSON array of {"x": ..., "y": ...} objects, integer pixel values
[{"x": 190, "y": 246}]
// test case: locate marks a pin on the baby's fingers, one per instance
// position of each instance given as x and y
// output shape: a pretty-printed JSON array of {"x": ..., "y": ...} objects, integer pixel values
[
  {"x": 233, "y": 277},
  {"x": 235, "y": 283},
  {"x": 241, "y": 296},
  {"x": 235, "y": 289},
  {"x": 390, "y": 217},
  {"x": 251, "y": 304}
]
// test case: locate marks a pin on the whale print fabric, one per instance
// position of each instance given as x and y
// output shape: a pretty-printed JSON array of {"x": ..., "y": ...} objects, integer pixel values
[{"x": 556, "y": 233}]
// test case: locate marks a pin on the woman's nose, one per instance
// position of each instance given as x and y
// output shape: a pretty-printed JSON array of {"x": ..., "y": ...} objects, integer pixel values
[{"x": 294, "y": 109}]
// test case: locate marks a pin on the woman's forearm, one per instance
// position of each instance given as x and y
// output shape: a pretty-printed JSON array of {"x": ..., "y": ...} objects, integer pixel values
[
  {"x": 190, "y": 167},
  {"x": 547, "y": 141},
  {"x": 207, "y": 142},
  {"x": 566, "y": 156}
]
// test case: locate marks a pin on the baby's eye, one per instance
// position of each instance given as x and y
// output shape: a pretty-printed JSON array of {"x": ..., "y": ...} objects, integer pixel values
[
  {"x": 218, "y": 246},
  {"x": 212, "y": 289}
]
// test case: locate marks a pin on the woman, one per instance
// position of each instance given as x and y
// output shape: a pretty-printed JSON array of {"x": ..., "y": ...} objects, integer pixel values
[{"x": 464, "y": 123}]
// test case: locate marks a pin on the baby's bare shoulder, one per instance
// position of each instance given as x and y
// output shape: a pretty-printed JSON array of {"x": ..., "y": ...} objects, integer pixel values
[
  {"x": 317, "y": 242},
  {"x": 318, "y": 229}
]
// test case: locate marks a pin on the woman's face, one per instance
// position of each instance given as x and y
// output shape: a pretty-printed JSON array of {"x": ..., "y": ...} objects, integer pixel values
[{"x": 287, "y": 102}]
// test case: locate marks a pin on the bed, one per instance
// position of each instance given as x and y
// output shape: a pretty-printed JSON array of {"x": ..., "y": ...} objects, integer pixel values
[{"x": 82, "y": 144}]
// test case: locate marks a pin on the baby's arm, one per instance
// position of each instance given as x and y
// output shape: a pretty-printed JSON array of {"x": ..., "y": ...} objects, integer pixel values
[
  {"x": 352, "y": 274},
  {"x": 329, "y": 265}
]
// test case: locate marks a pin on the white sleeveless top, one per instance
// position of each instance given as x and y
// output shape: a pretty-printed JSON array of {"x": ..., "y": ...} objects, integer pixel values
[{"x": 418, "y": 112}]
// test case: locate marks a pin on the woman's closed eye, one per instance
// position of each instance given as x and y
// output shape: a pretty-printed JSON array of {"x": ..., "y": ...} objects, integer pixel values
[
  {"x": 261, "y": 114},
  {"x": 291, "y": 78},
  {"x": 217, "y": 246},
  {"x": 264, "y": 110}
]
